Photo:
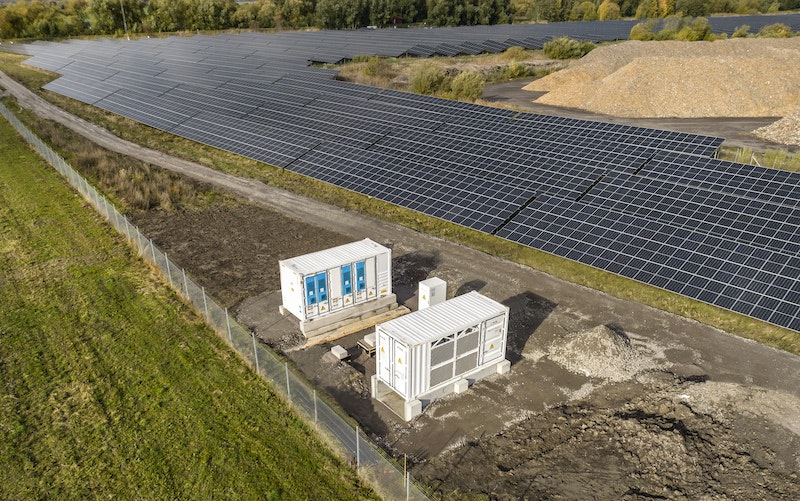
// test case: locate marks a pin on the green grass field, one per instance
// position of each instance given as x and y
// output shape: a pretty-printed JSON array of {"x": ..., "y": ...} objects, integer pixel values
[{"x": 111, "y": 386}]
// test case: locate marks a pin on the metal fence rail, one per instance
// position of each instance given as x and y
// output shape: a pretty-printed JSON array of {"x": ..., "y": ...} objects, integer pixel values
[{"x": 372, "y": 463}]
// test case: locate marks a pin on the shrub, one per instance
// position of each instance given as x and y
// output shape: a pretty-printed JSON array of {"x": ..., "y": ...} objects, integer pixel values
[
  {"x": 566, "y": 48},
  {"x": 777, "y": 30},
  {"x": 376, "y": 66},
  {"x": 515, "y": 53},
  {"x": 467, "y": 86},
  {"x": 695, "y": 31},
  {"x": 643, "y": 31},
  {"x": 670, "y": 29},
  {"x": 516, "y": 70},
  {"x": 741, "y": 31},
  {"x": 429, "y": 79}
]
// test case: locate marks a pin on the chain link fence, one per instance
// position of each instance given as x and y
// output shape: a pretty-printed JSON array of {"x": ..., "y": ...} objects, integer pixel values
[{"x": 371, "y": 462}]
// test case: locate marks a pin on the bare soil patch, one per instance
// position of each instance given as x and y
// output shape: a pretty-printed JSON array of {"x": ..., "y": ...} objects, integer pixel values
[{"x": 605, "y": 399}]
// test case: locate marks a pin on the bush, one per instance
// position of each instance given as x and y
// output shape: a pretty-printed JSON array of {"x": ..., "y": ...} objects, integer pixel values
[
  {"x": 376, "y": 66},
  {"x": 777, "y": 30},
  {"x": 429, "y": 79},
  {"x": 467, "y": 86},
  {"x": 741, "y": 32},
  {"x": 670, "y": 29},
  {"x": 566, "y": 48},
  {"x": 695, "y": 31},
  {"x": 643, "y": 31},
  {"x": 515, "y": 53}
]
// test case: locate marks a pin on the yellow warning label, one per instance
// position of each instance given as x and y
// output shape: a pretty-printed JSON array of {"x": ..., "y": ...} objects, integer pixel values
[
  {"x": 424, "y": 297},
  {"x": 347, "y": 300},
  {"x": 491, "y": 346},
  {"x": 399, "y": 360},
  {"x": 382, "y": 350}
]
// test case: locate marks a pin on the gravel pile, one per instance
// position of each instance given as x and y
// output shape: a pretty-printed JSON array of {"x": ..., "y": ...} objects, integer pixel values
[
  {"x": 726, "y": 78},
  {"x": 784, "y": 131},
  {"x": 601, "y": 353}
]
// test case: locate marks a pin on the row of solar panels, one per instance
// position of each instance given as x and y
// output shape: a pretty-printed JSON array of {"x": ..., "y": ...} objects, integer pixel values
[
  {"x": 589, "y": 191},
  {"x": 335, "y": 46}
]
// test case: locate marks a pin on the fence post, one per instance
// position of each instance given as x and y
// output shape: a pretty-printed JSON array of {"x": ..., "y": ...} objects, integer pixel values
[
  {"x": 288, "y": 388},
  {"x": 169, "y": 273},
  {"x": 185, "y": 283},
  {"x": 153, "y": 250},
  {"x": 315, "y": 407},
  {"x": 255, "y": 352},
  {"x": 408, "y": 485},
  {"x": 358, "y": 452},
  {"x": 228, "y": 325},
  {"x": 127, "y": 228},
  {"x": 205, "y": 303}
]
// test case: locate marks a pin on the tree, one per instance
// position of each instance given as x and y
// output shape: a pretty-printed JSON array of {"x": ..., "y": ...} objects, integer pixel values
[
  {"x": 338, "y": 14},
  {"x": 693, "y": 8},
  {"x": 666, "y": 7},
  {"x": 608, "y": 11},
  {"x": 111, "y": 16},
  {"x": 648, "y": 9},
  {"x": 546, "y": 10},
  {"x": 167, "y": 15},
  {"x": 584, "y": 11}
]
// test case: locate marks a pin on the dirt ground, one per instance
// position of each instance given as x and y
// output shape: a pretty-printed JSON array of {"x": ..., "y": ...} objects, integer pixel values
[{"x": 606, "y": 398}]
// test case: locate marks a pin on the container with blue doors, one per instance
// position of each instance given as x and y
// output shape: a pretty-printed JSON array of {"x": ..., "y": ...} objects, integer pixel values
[{"x": 331, "y": 280}]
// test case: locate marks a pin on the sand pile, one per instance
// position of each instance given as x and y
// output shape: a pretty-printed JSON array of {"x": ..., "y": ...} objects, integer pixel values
[
  {"x": 727, "y": 78},
  {"x": 600, "y": 352}
]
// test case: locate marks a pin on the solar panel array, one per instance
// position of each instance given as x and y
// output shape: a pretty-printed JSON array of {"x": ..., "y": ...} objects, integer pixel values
[{"x": 651, "y": 205}]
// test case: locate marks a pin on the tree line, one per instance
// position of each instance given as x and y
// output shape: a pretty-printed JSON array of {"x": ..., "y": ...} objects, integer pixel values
[{"x": 64, "y": 18}]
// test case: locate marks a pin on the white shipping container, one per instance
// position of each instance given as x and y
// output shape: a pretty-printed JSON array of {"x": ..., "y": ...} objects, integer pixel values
[
  {"x": 330, "y": 280},
  {"x": 427, "y": 350}
]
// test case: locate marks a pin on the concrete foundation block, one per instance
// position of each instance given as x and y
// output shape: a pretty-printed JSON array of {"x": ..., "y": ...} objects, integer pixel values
[
  {"x": 460, "y": 386},
  {"x": 339, "y": 352},
  {"x": 412, "y": 409},
  {"x": 504, "y": 367}
]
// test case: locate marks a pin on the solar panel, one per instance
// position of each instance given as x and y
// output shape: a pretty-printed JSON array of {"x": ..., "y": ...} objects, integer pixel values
[{"x": 647, "y": 204}]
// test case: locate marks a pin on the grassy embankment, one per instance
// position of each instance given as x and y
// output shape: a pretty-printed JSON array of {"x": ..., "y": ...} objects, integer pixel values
[
  {"x": 112, "y": 387},
  {"x": 597, "y": 279}
]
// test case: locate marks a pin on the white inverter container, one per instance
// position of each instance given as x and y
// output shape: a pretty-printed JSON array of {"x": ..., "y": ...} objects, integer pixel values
[
  {"x": 425, "y": 352},
  {"x": 320, "y": 283}
]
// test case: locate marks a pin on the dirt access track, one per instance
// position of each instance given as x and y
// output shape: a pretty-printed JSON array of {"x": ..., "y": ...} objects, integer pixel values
[{"x": 606, "y": 398}]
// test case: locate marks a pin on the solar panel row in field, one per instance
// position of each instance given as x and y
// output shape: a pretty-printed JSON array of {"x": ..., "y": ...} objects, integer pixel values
[{"x": 647, "y": 204}]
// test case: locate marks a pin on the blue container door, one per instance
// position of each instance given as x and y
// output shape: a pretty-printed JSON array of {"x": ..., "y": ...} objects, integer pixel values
[
  {"x": 361, "y": 281},
  {"x": 322, "y": 291},
  {"x": 347, "y": 285},
  {"x": 311, "y": 296}
]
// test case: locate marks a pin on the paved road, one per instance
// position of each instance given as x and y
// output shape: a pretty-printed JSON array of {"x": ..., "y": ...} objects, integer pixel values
[{"x": 736, "y": 131}]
